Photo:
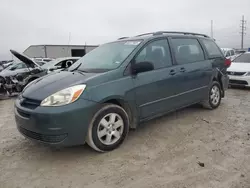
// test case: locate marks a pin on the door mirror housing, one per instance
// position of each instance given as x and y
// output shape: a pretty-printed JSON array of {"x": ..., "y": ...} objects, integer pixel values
[{"x": 142, "y": 67}]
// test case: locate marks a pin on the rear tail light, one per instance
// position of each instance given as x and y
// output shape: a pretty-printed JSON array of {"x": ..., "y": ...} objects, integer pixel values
[{"x": 228, "y": 62}]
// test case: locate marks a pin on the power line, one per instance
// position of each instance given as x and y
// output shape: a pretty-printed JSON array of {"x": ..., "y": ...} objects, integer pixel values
[{"x": 243, "y": 29}]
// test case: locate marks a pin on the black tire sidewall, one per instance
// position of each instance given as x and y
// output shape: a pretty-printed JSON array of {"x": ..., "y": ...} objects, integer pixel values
[
  {"x": 210, "y": 90},
  {"x": 96, "y": 122}
]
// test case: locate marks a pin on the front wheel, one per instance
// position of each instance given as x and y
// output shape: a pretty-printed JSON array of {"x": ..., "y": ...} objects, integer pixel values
[
  {"x": 214, "y": 97},
  {"x": 108, "y": 128}
]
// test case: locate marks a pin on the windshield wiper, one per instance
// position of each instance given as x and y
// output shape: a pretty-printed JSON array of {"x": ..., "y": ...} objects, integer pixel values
[{"x": 76, "y": 67}]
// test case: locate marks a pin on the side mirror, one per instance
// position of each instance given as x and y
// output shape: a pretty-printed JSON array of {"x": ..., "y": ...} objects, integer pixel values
[{"x": 142, "y": 67}]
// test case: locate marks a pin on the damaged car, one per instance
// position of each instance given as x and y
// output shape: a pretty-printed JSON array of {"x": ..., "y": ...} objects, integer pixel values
[{"x": 14, "y": 78}]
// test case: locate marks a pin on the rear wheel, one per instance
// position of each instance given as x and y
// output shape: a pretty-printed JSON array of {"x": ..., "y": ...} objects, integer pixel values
[
  {"x": 108, "y": 128},
  {"x": 214, "y": 97}
]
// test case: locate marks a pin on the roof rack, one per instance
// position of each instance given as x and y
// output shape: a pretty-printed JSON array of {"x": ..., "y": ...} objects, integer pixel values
[{"x": 172, "y": 32}]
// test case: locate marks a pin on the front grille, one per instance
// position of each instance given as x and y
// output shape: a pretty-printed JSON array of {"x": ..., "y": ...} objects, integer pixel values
[
  {"x": 236, "y": 73},
  {"x": 42, "y": 137},
  {"x": 29, "y": 103},
  {"x": 238, "y": 82}
]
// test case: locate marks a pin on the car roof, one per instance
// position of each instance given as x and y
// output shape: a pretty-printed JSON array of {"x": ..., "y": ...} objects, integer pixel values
[{"x": 148, "y": 36}]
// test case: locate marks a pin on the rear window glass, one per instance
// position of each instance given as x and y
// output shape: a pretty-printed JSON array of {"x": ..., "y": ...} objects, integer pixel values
[{"x": 212, "y": 49}]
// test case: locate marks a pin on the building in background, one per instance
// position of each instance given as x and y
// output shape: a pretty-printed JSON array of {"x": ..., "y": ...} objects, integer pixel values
[{"x": 56, "y": 51}]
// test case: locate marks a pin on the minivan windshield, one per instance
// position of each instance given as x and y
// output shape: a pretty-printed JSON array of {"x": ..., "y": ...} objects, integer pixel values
[
  {"x": 105, "y": 57},
  {"x": 244, "y": 58}
]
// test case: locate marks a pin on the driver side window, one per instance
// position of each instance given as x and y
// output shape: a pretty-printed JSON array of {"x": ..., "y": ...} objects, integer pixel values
[{"x": 157, "y": 53}]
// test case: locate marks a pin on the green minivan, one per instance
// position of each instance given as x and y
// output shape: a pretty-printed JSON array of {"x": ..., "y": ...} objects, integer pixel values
[{"x": 120, "y": 84}]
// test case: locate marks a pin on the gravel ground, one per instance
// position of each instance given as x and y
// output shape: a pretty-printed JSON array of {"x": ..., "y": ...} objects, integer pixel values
[{"x": 189, "y": 148}]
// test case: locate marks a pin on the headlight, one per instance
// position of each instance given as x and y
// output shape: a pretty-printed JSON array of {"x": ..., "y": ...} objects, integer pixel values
[
  {"x": 65, "y": 96},
  {"x": 247, "y": 74}
]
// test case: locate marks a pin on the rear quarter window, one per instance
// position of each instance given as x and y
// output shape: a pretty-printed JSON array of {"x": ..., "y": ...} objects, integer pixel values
[{"x": 212, "y": 49}]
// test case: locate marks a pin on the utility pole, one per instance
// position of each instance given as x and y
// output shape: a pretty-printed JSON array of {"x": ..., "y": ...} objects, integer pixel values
[
  {"x": 212, "y": 29},
  {"x": 69, "y": 51},
  {"x": 243, "y": 29}
]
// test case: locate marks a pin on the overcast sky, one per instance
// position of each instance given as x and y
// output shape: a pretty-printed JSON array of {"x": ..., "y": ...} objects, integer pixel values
[{"x": 27, "y": 22}]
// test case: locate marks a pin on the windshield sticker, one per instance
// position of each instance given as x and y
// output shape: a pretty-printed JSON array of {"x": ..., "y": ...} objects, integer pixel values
[
  {"x": 117, "y": 62},
  {"x": 132, "y": 43}
]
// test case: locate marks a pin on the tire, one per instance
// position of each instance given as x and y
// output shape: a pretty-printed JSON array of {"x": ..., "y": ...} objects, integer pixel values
[
  {"x": 212, "y": 103},
  {"x": 108, "y": 128}
]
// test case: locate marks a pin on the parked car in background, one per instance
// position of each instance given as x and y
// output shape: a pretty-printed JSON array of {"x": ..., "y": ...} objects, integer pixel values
[
  {"x": 120, "y": 84},
  {"x": 14, "y": 69},
  {"x": 60, "y": 64},
  {"x": 19, "y": 68},
  {"x": 5, "y": 64},
  {"x": 229, "y": 53},
  {"x": 1, "y": 67},
  {"x": 239, "y": 72},
  {"x": 15, "y": 77},
  {"x": 25, "y": 68},
  {"x": 238, "y": 52}
]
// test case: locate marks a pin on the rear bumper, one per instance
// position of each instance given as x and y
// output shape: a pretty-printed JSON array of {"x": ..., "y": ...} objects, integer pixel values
[
  {"x": 239, "y": 81},
  {"x": 61, "y": 126}
]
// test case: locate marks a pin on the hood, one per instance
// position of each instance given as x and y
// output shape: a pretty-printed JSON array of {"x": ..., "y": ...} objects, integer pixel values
[
  {"x": 29, "y": 62},
  {"x": 51, "y": 83},
  {"x": 239, "y": 67},
  {"x": 5, "y": 73}
]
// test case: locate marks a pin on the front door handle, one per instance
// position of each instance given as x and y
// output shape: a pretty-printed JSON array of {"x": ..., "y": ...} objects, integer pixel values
[
  {"x": 182, "y": 69},
  {"x": 172, "y": 72}
]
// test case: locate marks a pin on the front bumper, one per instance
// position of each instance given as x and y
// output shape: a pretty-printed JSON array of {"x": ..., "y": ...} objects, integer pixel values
[
  {"x": 62, "y": 126},
  {"x": 239, "y": 80}
]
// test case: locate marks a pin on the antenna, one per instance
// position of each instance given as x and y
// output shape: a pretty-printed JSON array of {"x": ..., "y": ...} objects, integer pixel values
[{"x": 68, "y": 44}]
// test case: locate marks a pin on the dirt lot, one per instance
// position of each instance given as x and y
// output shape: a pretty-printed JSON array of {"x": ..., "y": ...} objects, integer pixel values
[{"x": 162, "y": 153}]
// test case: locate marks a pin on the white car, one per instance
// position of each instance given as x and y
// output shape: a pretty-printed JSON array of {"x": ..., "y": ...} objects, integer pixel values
[
  {"x": 58, "y": 64},
  {"x": 229, "y": 53},
  {"x": 239, "y": 71}
]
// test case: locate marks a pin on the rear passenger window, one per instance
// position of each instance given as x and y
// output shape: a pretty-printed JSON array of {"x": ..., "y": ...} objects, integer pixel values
[
  {"x": 212, "y": 49},
  {"x": 187, "y": 50},
  {"x": 232, "y": 52},
  {"x": 156, "y": 52}
]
